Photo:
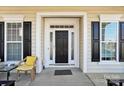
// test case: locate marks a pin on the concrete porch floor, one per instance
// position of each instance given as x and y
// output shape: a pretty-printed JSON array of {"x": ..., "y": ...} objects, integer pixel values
[{"x": 47, "y": 78}]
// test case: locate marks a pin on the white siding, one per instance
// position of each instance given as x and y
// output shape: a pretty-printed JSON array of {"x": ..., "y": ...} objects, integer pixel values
[
  {"x": 96, "y": 67},
  {"x": 27, "y": 17}
]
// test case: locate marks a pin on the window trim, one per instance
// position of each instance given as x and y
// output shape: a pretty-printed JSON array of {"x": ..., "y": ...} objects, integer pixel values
[
  {"x": 5, "y": 39},
  {"x": 117, "y": 43}
]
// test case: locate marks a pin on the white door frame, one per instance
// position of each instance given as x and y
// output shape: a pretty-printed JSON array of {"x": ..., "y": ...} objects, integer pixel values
[
  {"x": 39, "y": 29},
  {"x": 47, "y": 30}
]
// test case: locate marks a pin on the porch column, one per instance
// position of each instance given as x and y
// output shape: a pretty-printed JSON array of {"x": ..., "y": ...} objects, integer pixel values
[
  {"x": 85, "y": 43},
  {"x": 38, "y": 44}
]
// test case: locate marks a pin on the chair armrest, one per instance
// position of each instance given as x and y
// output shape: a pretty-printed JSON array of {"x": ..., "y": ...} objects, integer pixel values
[
  {"x": 21, "y": 62},
  {"x": 24, "y": 59}
]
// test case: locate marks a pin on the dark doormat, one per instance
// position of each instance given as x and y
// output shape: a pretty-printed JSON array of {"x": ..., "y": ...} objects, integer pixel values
[{"x": 63, "y": 72}]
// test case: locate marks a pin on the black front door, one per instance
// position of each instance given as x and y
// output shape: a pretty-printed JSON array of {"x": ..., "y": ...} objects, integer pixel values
[{"x": 61, "y": 46}]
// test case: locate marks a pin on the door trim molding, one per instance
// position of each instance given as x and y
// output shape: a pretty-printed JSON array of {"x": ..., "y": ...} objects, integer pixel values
[
  {"x": 68, "y": 21},
  {"x": 39, "y": 29}
]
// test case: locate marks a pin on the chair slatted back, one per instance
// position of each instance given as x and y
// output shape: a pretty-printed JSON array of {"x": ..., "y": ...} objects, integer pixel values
[{"x": 30, "y": 60}]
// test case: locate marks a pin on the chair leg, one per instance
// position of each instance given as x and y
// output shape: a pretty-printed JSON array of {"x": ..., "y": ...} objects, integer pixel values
[
  {"x": 32, "y": 74},
  {"x": 35, "y": 70},
  {"x": 18, "y": 74}
]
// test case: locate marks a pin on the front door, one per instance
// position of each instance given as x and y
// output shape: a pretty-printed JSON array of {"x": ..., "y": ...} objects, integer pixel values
[{"x": 61, "y": 41}]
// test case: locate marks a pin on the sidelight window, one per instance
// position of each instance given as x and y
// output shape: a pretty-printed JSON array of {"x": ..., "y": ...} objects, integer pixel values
[
  {"x": 72, "y": 45},
  {"x": 51, "y": 45}
]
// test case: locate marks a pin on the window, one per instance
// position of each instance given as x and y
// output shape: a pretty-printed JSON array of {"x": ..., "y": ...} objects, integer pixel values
[
  {"x": 14, "y": 41},
  {"x": 109, "y": 40},
  {"x": 72, "y": 46},
  {"x": 51, "y": 45}
]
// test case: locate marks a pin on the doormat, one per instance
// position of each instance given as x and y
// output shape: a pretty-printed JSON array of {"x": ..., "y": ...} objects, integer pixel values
[{"x": 63, "y": 72}]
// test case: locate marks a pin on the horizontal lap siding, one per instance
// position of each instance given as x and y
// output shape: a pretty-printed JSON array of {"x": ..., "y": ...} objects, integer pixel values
[
  {"x": 92, "y": 16},
  {"x": 32, "y": 18},
  {"x": 27, "y": 17},
  {"x": 96, "y": 67}
]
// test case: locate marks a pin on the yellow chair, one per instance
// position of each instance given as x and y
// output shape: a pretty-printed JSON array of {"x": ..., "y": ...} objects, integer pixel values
[{"x": 28, "y": 65}]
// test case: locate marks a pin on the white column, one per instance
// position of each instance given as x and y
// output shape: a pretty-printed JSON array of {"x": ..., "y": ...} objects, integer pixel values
[
  {"x": 85, "y": 43},
  {"x": 38, "y": 44}
]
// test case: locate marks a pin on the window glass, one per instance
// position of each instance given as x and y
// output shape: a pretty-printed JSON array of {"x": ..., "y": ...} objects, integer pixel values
[
  {"x": 108, "y": 51},
  {"x": 109, "y": 31},
  {"x": 72, "y": 46},
  {"x": 14, "y": 41},
  {"x": 14, "y": 32},
  {"x": 13, "y": 51},
  {"x": 51, "y": 45},
  {"x": 109, "y": 41}
]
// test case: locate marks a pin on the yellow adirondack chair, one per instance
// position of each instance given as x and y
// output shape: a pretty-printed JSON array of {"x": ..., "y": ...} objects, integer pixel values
[{"x": 29, "y": 65}]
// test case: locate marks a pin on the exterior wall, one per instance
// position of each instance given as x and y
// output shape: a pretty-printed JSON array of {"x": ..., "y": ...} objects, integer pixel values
[
  {"x": 42, "y": 41},
  {"x": 93, "y": 15},
  {"x": 96, "y": 67},
  {"x": 27, "y": 17},
  {"x": 81, "y": 45}
]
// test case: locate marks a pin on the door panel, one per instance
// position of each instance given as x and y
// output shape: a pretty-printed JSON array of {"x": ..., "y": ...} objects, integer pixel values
[{"x": 61, "y": 46}]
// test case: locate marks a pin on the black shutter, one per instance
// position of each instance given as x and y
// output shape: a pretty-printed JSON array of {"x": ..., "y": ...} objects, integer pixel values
[
  {"x": 27, "y": 39},
  {"x": 95, "y": 28},
  {"x": 2, "y": 41},
  {"x": 121, "y": 41}
]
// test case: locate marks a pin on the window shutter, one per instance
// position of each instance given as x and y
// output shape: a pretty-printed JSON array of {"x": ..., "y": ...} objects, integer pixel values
[
  {"x": 27, "y": 39},
  {"x": 95, "y": 28},
  {"x": 2, "y": 41},
  {"x": 121, "y": 41}
]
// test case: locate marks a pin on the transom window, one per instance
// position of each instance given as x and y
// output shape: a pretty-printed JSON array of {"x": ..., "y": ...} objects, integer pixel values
[
  {"x": 14, "y": 41},
  {"x": 109, "y": 40}
]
